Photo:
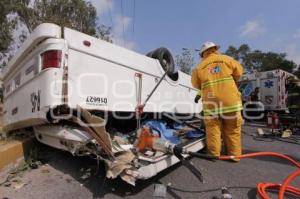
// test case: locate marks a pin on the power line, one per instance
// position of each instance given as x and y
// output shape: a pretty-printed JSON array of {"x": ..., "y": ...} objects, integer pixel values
[
  {"x": 122, "y": 15},
  {"x": 110, "y": 12},
  {"x": 133, "y": 19}
]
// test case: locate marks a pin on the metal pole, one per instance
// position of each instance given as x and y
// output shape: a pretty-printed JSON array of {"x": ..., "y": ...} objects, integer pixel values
[
  {"x": 139, "y": 98},
  {"x": 158, "y": 83}
]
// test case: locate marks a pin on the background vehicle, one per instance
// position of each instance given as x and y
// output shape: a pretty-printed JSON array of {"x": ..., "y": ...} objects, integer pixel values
[{"x": 271, "y": 84}]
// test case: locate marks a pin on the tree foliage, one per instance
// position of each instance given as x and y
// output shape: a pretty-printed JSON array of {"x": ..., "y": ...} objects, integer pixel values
[
  {"x": 76, "y": 14},
  {"x": 7, "y": 25},
  {"x": 104, "y": 32},
  {"x": 185, "y": 61},
  {"x": 260, "y": 61}
]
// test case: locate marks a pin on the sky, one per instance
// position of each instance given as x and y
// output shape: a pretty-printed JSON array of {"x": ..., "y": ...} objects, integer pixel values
[{"x": 144, "y": 25}]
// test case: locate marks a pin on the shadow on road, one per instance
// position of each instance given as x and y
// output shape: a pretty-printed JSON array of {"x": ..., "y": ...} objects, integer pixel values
[
  {"x": 100, "y": 186},
  {"x": 97, "y": 183}
]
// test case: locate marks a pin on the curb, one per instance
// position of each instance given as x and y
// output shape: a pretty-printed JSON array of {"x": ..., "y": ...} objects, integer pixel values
[{"x": 12, "y": 151}]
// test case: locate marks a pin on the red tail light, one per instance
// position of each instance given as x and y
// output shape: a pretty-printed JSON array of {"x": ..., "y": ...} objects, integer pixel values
[{"x": 51, "y": 59}]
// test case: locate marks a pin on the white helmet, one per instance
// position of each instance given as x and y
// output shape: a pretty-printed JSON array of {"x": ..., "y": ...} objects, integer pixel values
[{"x": 208, "y": 45}]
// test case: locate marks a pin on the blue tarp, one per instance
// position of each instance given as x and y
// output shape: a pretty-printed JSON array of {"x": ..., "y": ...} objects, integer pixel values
[{"x": 161, "y": 128}]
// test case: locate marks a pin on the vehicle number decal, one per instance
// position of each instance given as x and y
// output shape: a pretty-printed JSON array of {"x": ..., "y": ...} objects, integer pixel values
[
  {"x": 35, "y": 98},
  {"x": 96, "y": 101}
]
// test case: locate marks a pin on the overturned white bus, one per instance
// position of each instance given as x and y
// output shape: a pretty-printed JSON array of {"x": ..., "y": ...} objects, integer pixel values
[{"x": 61, "y": 77}]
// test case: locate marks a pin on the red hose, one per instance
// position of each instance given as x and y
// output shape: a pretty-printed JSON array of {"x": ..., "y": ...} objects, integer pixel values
[
  {"x": 285, "y": 186},
  {"x": 261, "y": 187}
]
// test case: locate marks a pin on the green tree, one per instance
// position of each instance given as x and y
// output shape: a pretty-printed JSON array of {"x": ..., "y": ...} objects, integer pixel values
[
  {"x": 261, "y": 61},
  {"x": 76, "y": 14},
  {"x": 8, "y": 24},
  {"x": 104, "y": 32},
  {"x": 185, "y": 61},
  {"x": 232, "y": 52},
  {"x": 238, "y": 53}
]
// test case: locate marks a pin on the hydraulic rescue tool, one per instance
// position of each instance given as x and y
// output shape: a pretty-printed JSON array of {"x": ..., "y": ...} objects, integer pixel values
[{"x": 147, "y": 140}]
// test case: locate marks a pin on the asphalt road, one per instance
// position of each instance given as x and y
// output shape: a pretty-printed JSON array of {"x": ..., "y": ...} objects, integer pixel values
[{"x": 64, "y": 176}]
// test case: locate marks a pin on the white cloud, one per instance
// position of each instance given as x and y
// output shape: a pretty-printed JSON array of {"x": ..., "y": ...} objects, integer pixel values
[
  {"x": 120, "y": 24},
  {"x": 293, "y": 52},
  {"x": 297, "y": 34},
  {"x": 252, "y": 29},
  {"x": 102, "y": 6}
]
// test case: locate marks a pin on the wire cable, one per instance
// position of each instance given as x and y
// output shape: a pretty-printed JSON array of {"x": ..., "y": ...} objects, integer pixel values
[
  {"x": 122, "y": 15},
  {"x": 110, "y": 11},
  {"x": 133, "y": 19}
]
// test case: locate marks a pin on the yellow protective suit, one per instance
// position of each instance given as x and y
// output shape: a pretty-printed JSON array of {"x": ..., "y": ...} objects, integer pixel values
[{"x": 215, "y": 76}]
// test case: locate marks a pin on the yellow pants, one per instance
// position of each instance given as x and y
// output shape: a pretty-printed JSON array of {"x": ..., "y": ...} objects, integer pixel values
[{"x": 230, "y": 125}]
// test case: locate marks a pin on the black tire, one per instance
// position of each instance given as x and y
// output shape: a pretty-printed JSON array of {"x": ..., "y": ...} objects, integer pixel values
[{"x": 166, "y": 61}]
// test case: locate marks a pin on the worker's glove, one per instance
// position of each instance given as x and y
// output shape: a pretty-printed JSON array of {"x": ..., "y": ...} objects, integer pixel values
[{"x": 197, "y": 98}]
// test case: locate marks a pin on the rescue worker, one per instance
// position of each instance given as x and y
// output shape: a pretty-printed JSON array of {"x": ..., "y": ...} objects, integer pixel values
[
  {"x": 216, "y": 77},
  {"x": 293, "y": 89},
  {"x": 254, "y": 108},
  {"x": 254, "y": 95},
  {"x": 291, "y": 120}
]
